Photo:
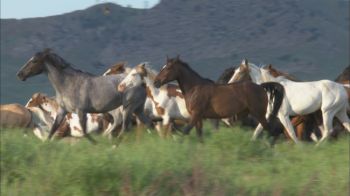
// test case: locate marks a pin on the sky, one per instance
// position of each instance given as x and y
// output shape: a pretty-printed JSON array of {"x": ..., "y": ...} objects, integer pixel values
[{"x": 39, "y": 8}]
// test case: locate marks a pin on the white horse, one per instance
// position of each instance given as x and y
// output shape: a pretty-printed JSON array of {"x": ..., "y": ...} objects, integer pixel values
[
  {"x": 302, "y": 98},
  {"x": 46, "y": 110},
  {"x": 166, "y": 102}
]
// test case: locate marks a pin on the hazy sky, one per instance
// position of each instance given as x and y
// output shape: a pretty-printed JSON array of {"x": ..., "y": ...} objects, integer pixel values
[{"x": 39, "y": 8}]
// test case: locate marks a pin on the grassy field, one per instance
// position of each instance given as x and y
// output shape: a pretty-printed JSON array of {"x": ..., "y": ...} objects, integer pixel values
[{"x": 227, "y": 163}]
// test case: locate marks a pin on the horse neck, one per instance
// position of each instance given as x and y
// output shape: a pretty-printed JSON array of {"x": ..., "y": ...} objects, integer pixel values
[
  {"x": 149, "y": 80},
  {"x": 56, "y": 77},
  {"x": 188, "y": 79},
  {"x": 256, "y": 75}
]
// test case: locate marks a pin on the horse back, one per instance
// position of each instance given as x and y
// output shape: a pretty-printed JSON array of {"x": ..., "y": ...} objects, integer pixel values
[
  {"x": 222, "y": 100},
  {"x": 15, "y": 115}
]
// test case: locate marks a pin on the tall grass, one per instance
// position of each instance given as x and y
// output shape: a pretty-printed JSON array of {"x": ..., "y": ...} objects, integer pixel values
[{"x": 227, "y": 163}]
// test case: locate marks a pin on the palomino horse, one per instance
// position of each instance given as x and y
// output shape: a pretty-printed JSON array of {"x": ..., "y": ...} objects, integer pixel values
[
  {"x": 82, "y": 93},
  {"x": 303, "y": 98},
  {"x": 205, "y": 99},
  {"x": 15, "y": 116},
  {"x": 46, "y": 108},
  {"x": 167, "y": 102}
]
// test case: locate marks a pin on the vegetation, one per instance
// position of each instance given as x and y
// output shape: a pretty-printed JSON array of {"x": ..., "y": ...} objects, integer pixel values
[{"x": 227, "y": 163}]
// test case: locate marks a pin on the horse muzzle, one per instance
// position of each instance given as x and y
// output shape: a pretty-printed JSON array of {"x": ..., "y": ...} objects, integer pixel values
[
  {"x": 21, "y": 76},
  {"x": 121, "y": 87},
  {"x": 157, "y": 84}
]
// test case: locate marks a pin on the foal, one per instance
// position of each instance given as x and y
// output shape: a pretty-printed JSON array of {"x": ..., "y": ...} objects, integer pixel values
[{"x": 205, "y": 99}]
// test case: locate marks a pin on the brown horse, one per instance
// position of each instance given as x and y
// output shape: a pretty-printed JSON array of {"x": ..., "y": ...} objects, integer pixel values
[
  {"x": 205, "y": 99},
  {"x": 15, "y": 116}
]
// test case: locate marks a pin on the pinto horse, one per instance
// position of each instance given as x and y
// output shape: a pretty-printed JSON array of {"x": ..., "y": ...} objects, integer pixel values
[
  {"x": 303, "y": 98},
  {"x": 46, "y": 108},
  {"x": 83, "y": 93},
  {"x": 205, "y": 99},
  {"x": 167, "y": 102},
  {"x": 117, "y": 68}
]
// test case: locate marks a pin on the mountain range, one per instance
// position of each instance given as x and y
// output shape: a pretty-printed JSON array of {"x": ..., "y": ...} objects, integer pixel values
[{"x": 307, "y": 38}]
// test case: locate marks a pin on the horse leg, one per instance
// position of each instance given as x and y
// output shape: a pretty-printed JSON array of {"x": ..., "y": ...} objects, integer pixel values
[
  {"x": 126, "y": 115},
  {"x": 117, "y": 120},
  {"x": 344, "y": 119},
  {"x": 82, "y": 119},
  {"x": 58, "y": 120},
  {"x": 215, "y": 123},
  {"x": 327, "y": 124},
  {"x": 199, "y": 126},
  {"x": 257, "y": 131},
  {"x": 288, "y": 125},
  {"x": 193, "y": 121}
]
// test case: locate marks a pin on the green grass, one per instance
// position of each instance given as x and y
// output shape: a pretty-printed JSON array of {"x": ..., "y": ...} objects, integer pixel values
[{"x": 227, "y": 163}]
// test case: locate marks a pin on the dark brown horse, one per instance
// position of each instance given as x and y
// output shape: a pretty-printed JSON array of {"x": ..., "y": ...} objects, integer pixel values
[{"x": 205, "y": 99}]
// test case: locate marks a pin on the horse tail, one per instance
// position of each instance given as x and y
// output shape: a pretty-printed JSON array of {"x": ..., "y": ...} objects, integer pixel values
[{"x": 276, "y": 92}]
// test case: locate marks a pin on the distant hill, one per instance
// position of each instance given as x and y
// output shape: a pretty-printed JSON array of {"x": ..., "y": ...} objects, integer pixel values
[{"x": 308, "y": 38}]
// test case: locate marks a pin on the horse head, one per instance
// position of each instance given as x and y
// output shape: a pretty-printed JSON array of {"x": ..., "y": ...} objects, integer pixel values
[
  {"x": 169, "y": 72},
  {"x": 242, "y": 73},
  {"x": 34, "y": 66},
  {"x": 134, "y": 77},
  {"x": 117, "y": 68}
]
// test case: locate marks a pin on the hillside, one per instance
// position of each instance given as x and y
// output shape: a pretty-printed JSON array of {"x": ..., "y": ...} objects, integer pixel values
[{"x": 307, "y": 38}]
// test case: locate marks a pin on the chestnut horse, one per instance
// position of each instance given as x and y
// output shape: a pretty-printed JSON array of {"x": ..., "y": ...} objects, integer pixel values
[{"x": 205, "y": 99}]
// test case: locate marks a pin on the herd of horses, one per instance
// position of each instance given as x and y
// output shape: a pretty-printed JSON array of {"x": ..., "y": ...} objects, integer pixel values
[{"x": 177, "y": 99}]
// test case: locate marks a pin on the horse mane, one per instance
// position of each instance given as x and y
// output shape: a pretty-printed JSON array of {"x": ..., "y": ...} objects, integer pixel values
[
  {"x": 60, "y": 63},
  {"x": 191, "y": 70},
  {"x": 153, "y": 73},
  {"x": 226, "y": 75},
  {"x": 281, "y": 74}
]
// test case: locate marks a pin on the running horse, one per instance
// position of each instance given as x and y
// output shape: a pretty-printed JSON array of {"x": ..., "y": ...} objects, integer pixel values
[
  {"x": 166, "y": 102},
  {"x": 83, "y": 93},
  {"x": 205, "y": 99},
  {"x": 303, "y": 98}
]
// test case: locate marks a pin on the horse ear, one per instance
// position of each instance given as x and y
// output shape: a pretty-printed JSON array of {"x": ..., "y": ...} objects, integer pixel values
[
  {"x": 143, "y": 65},
  {"x": 244, "y": 63},
  {"x": 167, "y": 58},
  {"x": 178, "y": 57},
  {"x": 269, "y": 66}
]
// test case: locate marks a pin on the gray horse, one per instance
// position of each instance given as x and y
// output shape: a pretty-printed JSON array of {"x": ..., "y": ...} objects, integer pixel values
[{"x": 82, "y": 93}]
